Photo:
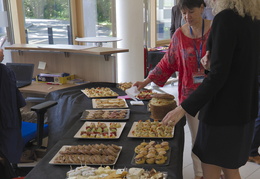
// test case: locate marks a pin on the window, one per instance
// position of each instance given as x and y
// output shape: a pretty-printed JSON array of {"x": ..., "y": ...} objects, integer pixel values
[
  {"x": 101, "y": 23},
  {"x": 62, "y": 21},
  {"x": 160, "y": 21},
  {"x": 3, "y": 20},
  {"x": 47, "y": 21},
  {"x": 163, "y": 10}
]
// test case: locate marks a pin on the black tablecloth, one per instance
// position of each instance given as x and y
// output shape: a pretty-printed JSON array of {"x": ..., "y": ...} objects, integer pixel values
[{"x": 64, "y": 123}]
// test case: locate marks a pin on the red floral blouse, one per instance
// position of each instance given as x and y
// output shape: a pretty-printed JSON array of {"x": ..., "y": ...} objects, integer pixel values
[{"x": 181, "y": 57}]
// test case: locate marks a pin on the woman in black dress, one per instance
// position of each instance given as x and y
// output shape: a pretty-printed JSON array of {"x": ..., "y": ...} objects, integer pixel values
[{"x": 228, "y": 97}]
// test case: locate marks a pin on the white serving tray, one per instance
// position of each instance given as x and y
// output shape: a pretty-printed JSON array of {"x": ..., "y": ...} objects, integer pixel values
[{"x": 119, "y": 131}]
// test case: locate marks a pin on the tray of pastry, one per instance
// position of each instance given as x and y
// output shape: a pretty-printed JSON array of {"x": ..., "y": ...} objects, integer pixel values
[
  {"x": 150, "y": 129},
  {"x": 100, "y": 130},
  {"x": 92, "y": 172},
  {"x": 99, "y": 92},
  {"x": 96, "y": 154},
  {"x": 145, "y": 95},
  {"x": 152, "y": 153},
  {"x": 136, "y": 172},
  {"x": 105, "y": 114},
  {"x": 108, "y": 172},
  {"x": 109, "y": 103}
]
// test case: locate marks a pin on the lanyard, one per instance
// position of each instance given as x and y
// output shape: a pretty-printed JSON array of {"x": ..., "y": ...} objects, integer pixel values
[{"x": 198, "y": 54}]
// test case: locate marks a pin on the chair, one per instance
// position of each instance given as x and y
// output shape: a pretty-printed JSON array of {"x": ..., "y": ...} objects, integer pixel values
[
  {"x": 32, "y": 132},
  {"x": 37, "y": 131}
]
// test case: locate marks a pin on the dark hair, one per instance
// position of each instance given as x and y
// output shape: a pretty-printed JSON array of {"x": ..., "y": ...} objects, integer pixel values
[{"x": 190, "y": 4}]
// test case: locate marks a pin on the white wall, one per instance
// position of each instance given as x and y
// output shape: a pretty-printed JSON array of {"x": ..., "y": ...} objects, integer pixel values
[{"x": 129, "y": 19}]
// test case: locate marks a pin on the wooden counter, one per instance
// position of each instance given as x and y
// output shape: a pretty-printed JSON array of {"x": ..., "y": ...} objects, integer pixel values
[
  {"x": 43, "y": 88},
  {"x": 95, "y": 64},
  {"x": 67, "y": 48}
]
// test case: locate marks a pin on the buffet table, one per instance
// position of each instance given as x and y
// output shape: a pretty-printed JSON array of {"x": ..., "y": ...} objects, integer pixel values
[{"x": 64, "y": 122}]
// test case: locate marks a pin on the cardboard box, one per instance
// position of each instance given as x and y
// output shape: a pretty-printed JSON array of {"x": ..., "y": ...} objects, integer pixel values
[
  {"x": 65, "y": 79},
  {"x": 56, "y": 79}
]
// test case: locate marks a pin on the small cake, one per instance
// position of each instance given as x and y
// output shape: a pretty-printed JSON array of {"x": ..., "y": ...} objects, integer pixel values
[{"x": 161, "y": 104}]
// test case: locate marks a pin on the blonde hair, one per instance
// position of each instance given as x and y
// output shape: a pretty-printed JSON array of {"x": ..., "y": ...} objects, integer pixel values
[{"x": 242, "y": 7}]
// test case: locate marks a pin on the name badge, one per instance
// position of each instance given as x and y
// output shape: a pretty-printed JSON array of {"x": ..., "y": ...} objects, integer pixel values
[{"x": 198, "y": 79}]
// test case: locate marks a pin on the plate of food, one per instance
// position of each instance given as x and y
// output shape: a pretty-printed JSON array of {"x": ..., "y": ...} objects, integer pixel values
[
  {"x": 136, "y": 172},
  {"x": 125, "y": 85},
  {"x": 108, "y": 172},
  {"x": 106, "y": 114},
  {"x": 150, "y": 129},
  {"x": 97, "y": 154},
  {"x": 145, "y": 95},
  {"x": 85, "y": 172},
  {"x": 152, "y": 153},
  {"x": 109, "y": 103},
  {"x": 100, "y": 130},
  {"x": 99, "y": 92}
]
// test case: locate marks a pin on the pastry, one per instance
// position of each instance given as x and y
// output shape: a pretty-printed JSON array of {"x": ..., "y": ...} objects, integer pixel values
[
  {"x": 150, "y": 158},
  {"x": 161, "y": 104},
  {"x": 160, "y": 159},
  {"x": 139, "y": 159}
]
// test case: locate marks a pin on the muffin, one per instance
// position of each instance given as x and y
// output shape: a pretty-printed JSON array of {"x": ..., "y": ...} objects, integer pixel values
[{"x": 160, "y": 105}]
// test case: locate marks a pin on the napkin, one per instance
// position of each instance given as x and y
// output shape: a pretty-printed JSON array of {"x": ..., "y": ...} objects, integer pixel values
[
  {"x": 132, "y": 92},
  {"x": 137, "y": 103}
]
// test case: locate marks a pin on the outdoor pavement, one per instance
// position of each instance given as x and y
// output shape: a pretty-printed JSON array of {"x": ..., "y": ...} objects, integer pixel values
[{"x": 37, "y": 31}]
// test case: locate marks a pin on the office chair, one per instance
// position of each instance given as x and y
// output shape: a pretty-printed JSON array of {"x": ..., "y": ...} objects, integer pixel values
[
  {"x": 37, "y": 131},
  {"x": 33, "y": 132}
]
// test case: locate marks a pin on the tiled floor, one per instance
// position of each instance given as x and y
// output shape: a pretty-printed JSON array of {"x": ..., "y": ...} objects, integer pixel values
[{"x": 249, "y": 171}]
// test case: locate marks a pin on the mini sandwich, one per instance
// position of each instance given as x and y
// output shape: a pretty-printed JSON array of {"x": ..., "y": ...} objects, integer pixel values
[
  {"x": 160, "y": 159},
  {"x": 150, "y": 158},
  {"x": 140, "y": 159}
]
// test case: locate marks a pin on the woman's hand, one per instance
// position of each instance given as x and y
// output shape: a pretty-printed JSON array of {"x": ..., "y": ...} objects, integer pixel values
[
  {"x": 205, "y": 61},
  {"x": 174, "y": 116},
  {"x": 141, "y": 84}
]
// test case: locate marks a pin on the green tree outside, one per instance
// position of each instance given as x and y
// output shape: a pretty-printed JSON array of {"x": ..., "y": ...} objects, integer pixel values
[
  {"x": 47, "y": 9},
  {"x": 59, "y": 9}
]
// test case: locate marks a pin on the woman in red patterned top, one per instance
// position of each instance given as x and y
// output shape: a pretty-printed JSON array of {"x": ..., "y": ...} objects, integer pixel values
[{"x": 187, "y": 47}]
